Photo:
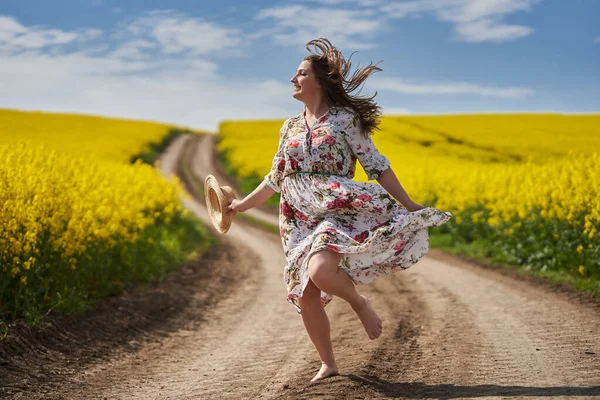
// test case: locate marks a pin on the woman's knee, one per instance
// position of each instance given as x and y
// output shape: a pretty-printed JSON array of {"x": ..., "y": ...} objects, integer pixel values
[{"x": 323, "y": 266}]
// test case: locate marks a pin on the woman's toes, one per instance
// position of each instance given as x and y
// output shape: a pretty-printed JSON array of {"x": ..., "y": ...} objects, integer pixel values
[
  {"x": 370, "y": 319},
  {"x": 325, "y": 372}
]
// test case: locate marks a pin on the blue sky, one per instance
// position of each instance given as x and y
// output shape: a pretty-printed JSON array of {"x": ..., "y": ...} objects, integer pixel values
[{"x": 196, "y": 63}]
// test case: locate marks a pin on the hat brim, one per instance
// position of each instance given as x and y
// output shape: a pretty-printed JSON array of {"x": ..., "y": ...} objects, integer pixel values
[{"x": 218, "y": 199}]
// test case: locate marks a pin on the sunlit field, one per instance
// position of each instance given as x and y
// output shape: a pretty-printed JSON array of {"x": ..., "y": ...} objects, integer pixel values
[
  {"x": 524, "y": 186},
  {"x": 77, "y": 219}
]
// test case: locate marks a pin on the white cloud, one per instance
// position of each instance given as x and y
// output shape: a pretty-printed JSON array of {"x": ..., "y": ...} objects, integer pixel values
[
  {"x": 181, "y": 85},
  {"x": 474, "y": 20},
  {"x": 487, "y": 30},
  {"x": 297, "y": 24},
  {"x": 597, "y": 40},
  {"x": 10, "y": 26},
  {"x": 134, "y": 49},
  {"x": 193, "y": 94},
  {"x": 448, "y": 88},
  {"x": 173, "y": 33},
  {"x": 15, "y": 37}
]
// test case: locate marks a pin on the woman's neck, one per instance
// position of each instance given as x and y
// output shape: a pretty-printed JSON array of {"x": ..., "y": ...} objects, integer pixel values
[{"x": 315, "y": 109}]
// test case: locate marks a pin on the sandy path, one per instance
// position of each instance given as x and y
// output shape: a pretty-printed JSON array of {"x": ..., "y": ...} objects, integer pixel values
[{"x": 452, "y": 330}]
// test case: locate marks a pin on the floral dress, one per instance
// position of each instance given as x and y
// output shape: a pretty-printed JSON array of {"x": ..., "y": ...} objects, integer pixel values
[{"x": 323, "y": 208}]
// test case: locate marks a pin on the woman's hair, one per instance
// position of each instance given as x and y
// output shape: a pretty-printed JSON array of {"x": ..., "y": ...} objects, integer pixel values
[{"x": 331, "y": 70}]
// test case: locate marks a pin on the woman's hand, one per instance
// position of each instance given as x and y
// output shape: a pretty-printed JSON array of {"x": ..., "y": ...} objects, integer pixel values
[
  {"x": 412, "y": 206},
  {"x": 235, "y": 206}
]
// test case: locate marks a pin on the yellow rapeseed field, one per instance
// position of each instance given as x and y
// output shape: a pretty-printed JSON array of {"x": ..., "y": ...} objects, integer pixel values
[
  {"x": 70, "y": 203},
  {"x": 498, "y": 170},
  {"x": 103, "y": 138},
  {"x": 68, "y": 190}
]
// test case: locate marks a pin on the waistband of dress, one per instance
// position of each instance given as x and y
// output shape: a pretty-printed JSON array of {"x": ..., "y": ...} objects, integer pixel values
[{"x": 312, "y": 173}]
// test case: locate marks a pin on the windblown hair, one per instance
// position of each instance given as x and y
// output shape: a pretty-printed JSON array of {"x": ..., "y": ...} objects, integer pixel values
[{"x": 332, "y": 70}]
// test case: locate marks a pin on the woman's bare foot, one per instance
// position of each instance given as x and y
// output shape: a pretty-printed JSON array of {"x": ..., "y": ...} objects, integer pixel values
[
  {"x": 325, "y": 372},
  {"x": 371, "y": 321}
]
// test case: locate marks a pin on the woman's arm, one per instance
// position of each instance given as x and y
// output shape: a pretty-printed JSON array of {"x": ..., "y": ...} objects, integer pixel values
[
  {"x": 261, "y": 194},
  {"x": 390, "y": 182}
]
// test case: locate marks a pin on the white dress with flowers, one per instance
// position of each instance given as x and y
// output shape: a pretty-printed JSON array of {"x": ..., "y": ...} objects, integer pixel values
[{"x": 323, "y": 208}]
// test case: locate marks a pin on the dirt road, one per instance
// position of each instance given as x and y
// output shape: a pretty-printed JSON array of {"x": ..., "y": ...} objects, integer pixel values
[{"x": 451, "y": 330}]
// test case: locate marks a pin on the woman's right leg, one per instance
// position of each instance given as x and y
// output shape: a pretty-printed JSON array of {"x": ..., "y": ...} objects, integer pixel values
[{"x": 317, "y": 326}]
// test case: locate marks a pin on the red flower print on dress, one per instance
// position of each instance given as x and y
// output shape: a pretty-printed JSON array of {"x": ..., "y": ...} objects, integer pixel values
[
  {"x": 330, "y": 140},
  {"x": 365, "y": 197},
  {"x": 287, "y": 210},
  {"x": 361, "y": 237},
  {"x": 399, "y": 246},
  {"x": 294, "y": 165},
  {"x": 334, "y": 185},
  {"x": 293, "y": 144},
  {"x": 281, "y": 165},
  {"x": 339, "y": 203},
  {"x": 332, "y": 247},
  {"x": 301, "y": 216}
]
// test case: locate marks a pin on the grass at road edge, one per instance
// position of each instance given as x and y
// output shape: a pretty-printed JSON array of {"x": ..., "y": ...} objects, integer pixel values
[
  {"x": 128, "y": 267},
  {"x": 483, "y": 252}
]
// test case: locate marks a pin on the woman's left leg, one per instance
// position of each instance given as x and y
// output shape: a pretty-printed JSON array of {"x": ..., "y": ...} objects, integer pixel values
[{"x": 324, "y": 271}]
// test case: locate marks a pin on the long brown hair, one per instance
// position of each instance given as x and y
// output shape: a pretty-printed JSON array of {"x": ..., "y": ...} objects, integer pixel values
[{"x": 331, "y": 70}]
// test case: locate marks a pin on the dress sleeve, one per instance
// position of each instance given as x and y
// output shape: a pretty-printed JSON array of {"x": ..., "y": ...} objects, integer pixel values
[
  {"x": 372, "y": 161},
  {"x": 275, "y": 176}
]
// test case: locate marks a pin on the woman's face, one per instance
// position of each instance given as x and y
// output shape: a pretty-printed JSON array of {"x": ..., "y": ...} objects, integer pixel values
[{"x": 306, "y": 86}]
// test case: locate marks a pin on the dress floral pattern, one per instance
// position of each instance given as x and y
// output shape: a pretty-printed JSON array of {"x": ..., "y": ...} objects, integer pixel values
[{"x": 323, "y": 208}]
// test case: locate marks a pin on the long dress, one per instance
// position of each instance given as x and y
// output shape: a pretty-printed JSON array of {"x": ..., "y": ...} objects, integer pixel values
[{"x": 323, "y": 208}]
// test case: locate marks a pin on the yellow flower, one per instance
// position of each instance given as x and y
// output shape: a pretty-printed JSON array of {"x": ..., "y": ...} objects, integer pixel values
[
  {"x": 47, "y": 186},
  {"x": 24, "y": 280},
  {"x": 581, "y": 269},
  {"x": 579, "y": 248}
]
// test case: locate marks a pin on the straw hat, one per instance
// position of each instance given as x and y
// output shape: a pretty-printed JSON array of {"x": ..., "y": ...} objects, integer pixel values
[{"x": 218, "y": 199}]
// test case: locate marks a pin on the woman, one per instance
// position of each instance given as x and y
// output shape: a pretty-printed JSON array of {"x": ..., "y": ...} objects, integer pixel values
[{"x": 337, "y": 232}]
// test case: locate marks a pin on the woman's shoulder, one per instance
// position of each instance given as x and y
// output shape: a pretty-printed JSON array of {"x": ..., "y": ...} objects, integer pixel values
[
  {"x": 293, "y": 119},
  {"x": 342, "y": 116},
  {"x": 342, "y": 112}
]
